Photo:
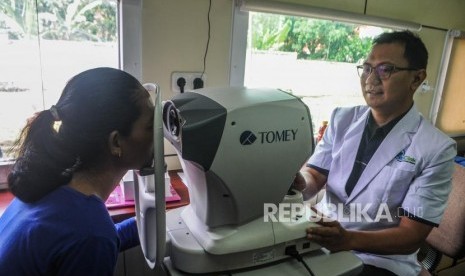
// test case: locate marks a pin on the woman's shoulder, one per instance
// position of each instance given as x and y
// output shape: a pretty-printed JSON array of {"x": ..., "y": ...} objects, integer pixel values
[
  {"x": 84, "y": 212},
  {"x": 66, "y": 212}
]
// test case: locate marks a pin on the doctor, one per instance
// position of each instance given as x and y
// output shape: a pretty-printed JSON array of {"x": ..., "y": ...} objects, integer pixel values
[{"x": 387, "y": 170}]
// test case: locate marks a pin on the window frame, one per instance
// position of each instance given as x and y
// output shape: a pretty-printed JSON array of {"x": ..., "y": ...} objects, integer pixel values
[
  {"x": 241, "y": 24},
  {"x": 130, "y": 36},
  {"x": 238, "y": 47}
]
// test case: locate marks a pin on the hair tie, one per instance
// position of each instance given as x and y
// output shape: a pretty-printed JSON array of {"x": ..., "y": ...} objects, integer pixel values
[{"x": 54, "y": 111}]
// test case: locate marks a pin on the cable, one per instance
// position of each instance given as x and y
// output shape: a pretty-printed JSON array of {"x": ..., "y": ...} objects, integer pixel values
[
  {"x": 292, "y": 251},
  {"x": 208, "y": 39}
]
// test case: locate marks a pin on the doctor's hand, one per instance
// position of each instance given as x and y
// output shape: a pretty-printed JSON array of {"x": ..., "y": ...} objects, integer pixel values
[
  {"x": 309, "y": 182},
  {"x": 330, "y": 235}
]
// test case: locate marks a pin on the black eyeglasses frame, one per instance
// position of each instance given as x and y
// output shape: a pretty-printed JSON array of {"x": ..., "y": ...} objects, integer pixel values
[{"x": 394, "y": 69}]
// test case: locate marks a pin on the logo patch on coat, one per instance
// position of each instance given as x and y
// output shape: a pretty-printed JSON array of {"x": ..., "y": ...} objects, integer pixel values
[{"x": 401, "y": 157}]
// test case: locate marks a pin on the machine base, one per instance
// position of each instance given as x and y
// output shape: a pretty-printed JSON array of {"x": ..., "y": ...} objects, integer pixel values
[
  {"x": 320, "y": 262},
  {"x": 188, "y": 257}
]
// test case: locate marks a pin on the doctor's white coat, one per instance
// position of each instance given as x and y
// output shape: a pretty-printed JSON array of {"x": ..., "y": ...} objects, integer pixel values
[{"x": 411, "y": 169}]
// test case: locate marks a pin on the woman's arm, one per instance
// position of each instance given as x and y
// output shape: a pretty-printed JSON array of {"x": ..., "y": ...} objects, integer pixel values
[{"x": 127, "y": 233}]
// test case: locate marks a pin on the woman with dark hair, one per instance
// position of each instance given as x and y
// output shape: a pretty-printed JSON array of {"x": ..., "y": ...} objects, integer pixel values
[{"x": 70, "y": 158}]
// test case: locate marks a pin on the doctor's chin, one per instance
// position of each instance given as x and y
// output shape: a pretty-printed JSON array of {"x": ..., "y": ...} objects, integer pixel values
[{"x": 350, "y": 213}]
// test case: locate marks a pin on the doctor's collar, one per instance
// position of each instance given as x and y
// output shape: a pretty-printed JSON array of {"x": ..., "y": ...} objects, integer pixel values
[{"x": 373, "y": 127}]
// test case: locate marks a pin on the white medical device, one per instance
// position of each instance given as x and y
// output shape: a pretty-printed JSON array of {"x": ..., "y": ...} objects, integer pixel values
[{"x": 240, "y": 150}]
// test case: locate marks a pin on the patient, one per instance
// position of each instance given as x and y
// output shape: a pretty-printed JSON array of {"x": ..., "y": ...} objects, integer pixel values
[{"x": 69, "y": 159}]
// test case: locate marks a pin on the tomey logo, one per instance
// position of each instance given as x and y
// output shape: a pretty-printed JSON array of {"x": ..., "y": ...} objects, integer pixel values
[
  {"x": 247, "y": 138},
  {"x": 273, "y": 136}
]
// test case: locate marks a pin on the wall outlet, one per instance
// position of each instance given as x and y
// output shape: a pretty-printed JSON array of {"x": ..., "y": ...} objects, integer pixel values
[{"x": 189, "y": 77}]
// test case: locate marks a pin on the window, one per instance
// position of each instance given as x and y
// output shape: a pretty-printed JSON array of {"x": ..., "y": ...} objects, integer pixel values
[
  {"x": 311, "y": 58},
  {"x": 43, "y": 44},
  {"x": 447, "y": 112}
]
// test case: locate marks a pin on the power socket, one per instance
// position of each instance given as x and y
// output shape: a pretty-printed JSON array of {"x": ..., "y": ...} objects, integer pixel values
[{"x": 189, "y": 77}]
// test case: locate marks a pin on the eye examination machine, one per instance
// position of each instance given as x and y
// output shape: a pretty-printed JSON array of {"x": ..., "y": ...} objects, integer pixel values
[{"x": 240, "y": 150}]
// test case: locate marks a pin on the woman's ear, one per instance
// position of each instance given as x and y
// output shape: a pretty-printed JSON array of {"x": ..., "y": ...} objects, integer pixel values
[{"x": 114, "y": 143}]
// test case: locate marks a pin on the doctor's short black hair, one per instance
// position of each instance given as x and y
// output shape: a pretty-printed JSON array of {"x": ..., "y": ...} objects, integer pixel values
[{"x": 415, "y": 50}]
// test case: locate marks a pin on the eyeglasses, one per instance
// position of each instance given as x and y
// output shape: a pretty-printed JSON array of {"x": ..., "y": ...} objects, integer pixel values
[{"x": 383, "y": 71}]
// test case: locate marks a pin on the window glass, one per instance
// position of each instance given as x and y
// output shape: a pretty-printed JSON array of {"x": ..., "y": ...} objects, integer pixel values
[
  {"x": 451, "y": 114},
  {"x": 43, "y": 44},
  {"x": 313, "y": 59}
]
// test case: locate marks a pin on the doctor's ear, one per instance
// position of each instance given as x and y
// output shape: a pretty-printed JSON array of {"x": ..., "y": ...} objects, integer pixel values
[{"x": 420, "y": 76}]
